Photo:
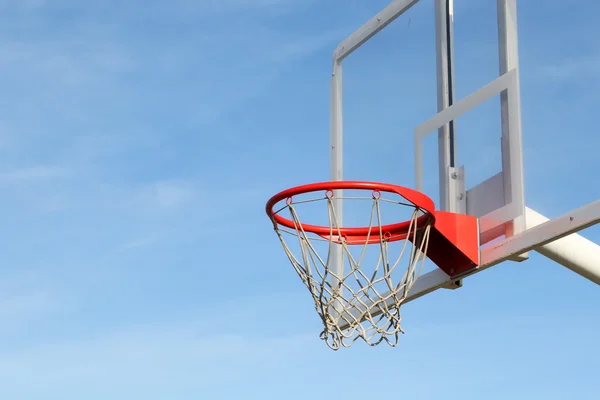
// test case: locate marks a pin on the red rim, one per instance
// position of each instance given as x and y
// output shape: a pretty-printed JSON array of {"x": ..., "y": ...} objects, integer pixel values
[{"x": 397, "y": 231}]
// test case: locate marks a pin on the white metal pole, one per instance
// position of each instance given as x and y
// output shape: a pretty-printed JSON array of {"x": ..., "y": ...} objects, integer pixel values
[
  {"x": 336, "y": 163},
  {"x": 383, "y": 18},
  {"x": 444, "y": 21},
  {"x": 512, "y": 149},
  {"x": 575, "y": 252}
]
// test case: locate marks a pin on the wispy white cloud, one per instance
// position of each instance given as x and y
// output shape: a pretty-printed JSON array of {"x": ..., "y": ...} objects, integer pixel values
[
  {"x": 140, "y": 242},
  {"x": 23, "y": 305},
  {"x": 72, "y": 78},
  {"x": 167, "y": 195},
  {"x": 221, "y": 6},
  {"x": 262, "y": 55},
  {"x": 65, "y": 63},
  {"x": 584, "y": 67},
  {"x": 26, "y": 298},
  {"x": 22, "y": 4},
  {"x": 187, "y": 10},
  {"x": 145, "y": 360},
  {"x": 34, "y": 174}
]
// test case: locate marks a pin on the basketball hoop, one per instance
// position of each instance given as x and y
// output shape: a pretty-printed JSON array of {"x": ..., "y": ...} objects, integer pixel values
[{"x": 355, "y": 300}]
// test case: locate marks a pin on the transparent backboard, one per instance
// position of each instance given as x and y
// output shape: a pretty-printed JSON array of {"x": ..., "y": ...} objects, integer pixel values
[
  {"x": 498, "y": 200},
  {"x": 508, "y": 229}
]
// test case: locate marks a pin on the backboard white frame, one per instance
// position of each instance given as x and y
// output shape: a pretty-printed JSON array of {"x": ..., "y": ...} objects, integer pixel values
[
  {"x": 504, "y": 214},
  {"x": 500, "y": 199}
]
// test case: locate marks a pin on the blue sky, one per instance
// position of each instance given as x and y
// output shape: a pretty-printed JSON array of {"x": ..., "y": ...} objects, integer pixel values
[{"x": 139, "y": 142}]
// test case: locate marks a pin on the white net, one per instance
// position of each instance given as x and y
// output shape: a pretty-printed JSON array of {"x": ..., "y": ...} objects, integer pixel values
[{"x": 357, "y": 288}]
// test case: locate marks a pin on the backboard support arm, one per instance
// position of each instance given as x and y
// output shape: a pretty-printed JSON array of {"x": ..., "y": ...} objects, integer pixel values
[{"x": 556, "y": 239}]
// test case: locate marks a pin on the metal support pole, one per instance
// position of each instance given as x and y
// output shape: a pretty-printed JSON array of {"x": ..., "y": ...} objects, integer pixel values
[
  {"x": 336, "y": 162},
  {"x": 444, "y": 21},
  {"x": 512, "y": 157},
  {"x": 574, "y": 252}
]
